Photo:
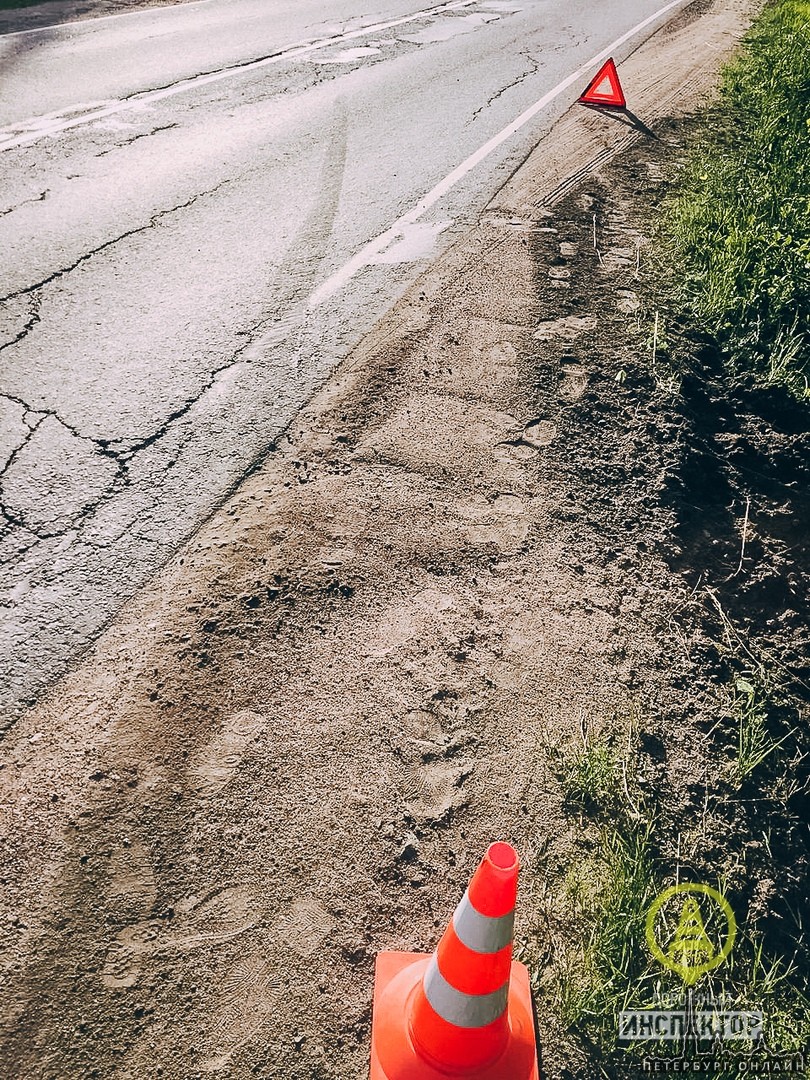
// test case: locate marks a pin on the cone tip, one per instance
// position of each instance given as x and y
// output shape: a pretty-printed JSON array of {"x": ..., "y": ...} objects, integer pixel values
[{"x": 503, "y": 857}]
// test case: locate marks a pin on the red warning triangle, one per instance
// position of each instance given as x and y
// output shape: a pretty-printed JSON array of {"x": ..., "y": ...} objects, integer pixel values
[{"x": 604, "y": 88}]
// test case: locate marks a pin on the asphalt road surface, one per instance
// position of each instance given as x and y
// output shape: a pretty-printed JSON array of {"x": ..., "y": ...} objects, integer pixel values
[{"x": 202, "y": 209}]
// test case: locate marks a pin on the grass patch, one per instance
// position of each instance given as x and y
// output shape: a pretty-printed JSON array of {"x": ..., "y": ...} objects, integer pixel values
[
  {"x": 738, "y": 228},
  {"x": 609, "y": 893},
  {"x": 602, "y": 965},
  {"x": 760, "y": 699},
  {"x": 755, "y": 743},
  {"x": 588, "y": 775}
]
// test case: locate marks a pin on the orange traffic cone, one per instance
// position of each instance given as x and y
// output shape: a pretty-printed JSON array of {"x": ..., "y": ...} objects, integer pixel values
[{"x": 466, "y": 1011}]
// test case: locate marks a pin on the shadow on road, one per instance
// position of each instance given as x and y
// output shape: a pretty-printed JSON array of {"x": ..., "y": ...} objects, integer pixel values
[{"x": 16, "y": 15}]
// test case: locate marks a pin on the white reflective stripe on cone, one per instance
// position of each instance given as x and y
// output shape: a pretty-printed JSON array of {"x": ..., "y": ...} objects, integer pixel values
[
  {"x": 463, "y": 1010},
  {"x": 482, "y": 933}
]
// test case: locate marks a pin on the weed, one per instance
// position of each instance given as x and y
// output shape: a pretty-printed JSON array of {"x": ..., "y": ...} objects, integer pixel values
[
  {"x": 590, "y": 776},
  {"x": 617, "y": 886},
  {"x": 601, "y": 965},
  {"x": 754, "y": 741},
  {"x": 756, "y": 692}
]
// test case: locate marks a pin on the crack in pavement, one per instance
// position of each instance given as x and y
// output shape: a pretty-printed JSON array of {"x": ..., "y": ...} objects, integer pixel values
[
  {"x": 302, "y": 47},
  {"x": 100, "y": 448},
  {"x": 515, "y": 82},
  {"x": 104, "y": 447},
  {"x": 298, "y": 271},
  {"x": 34, "y": 417},
  {"x": 72, "y": 526},
  {"x": 269, "y": 330},
  {"x": 32, "y": 321},
  {"x": 42, "y": 414},
  {"x": 31, "y": 131},
  {"x": 22, "y": 549},
  {"x": 18, "y": 523},
  {"x": 37, "y": 198},
  {"x": 135, "y": 138},
  {"x": 31, "y": 427},
  {"x": 126, "y": 456},
  {"x": 154, "y": 219}
]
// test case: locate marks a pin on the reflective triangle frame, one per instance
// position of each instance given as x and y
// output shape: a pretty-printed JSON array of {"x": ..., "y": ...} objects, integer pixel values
[{"x": 595, "y": 94}]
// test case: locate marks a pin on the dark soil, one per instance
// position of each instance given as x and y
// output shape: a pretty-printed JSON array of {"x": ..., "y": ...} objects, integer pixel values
[{"x": 679, "y": 456}]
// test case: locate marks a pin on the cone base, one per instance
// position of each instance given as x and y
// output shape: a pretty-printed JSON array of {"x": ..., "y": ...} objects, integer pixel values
[{"x": 393, "y": 1055}]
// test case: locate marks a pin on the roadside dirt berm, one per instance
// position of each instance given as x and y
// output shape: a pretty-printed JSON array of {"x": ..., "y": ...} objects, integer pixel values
[{"x": 466, "y": 1011}]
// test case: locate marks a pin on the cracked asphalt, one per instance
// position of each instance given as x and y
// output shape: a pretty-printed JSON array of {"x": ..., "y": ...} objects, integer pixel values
[{"x": 176, "y": 184}]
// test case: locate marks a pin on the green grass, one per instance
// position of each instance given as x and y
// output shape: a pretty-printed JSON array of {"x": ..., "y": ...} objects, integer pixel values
[
  {"x": 589, "y": 778},
  {"x": 755, "y": 743},
  {"x": 738, "y": 228},
  {"x": 758, "y": 689},
  {"x": 610, "y": 894},
  {"x": 602, "y": 965}
]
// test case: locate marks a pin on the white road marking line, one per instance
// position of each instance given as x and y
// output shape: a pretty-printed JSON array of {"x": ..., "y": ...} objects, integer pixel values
[
  {"x": 147, "y": 96},
  {"x": 98, "y": 18},
  {"x": 368, "y": 254}
]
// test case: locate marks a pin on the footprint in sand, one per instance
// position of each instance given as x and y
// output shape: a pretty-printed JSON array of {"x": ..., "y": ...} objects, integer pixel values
[
  {"x": 431, "y": 791},
  {"x": 573, "y": 380},
  {"x": 492, "y": 365},
  {"x": 132, "y": 884},
  {"x": 131, "y": 874},
  {"x": 214, "y": 764},
  {"x": 430, "y": 775},
  {"x": 568, "y": 328},
  {"x": 218, "y": 917},
  {"x": 245, "y": 1002},
  {"x": 121, "y": 968},
  {"x": 504, "y": 522},
  {"x": 304, "y": 925},
  {"x": 401, "y": 621},
  {"x": 540, "y": 434}
]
